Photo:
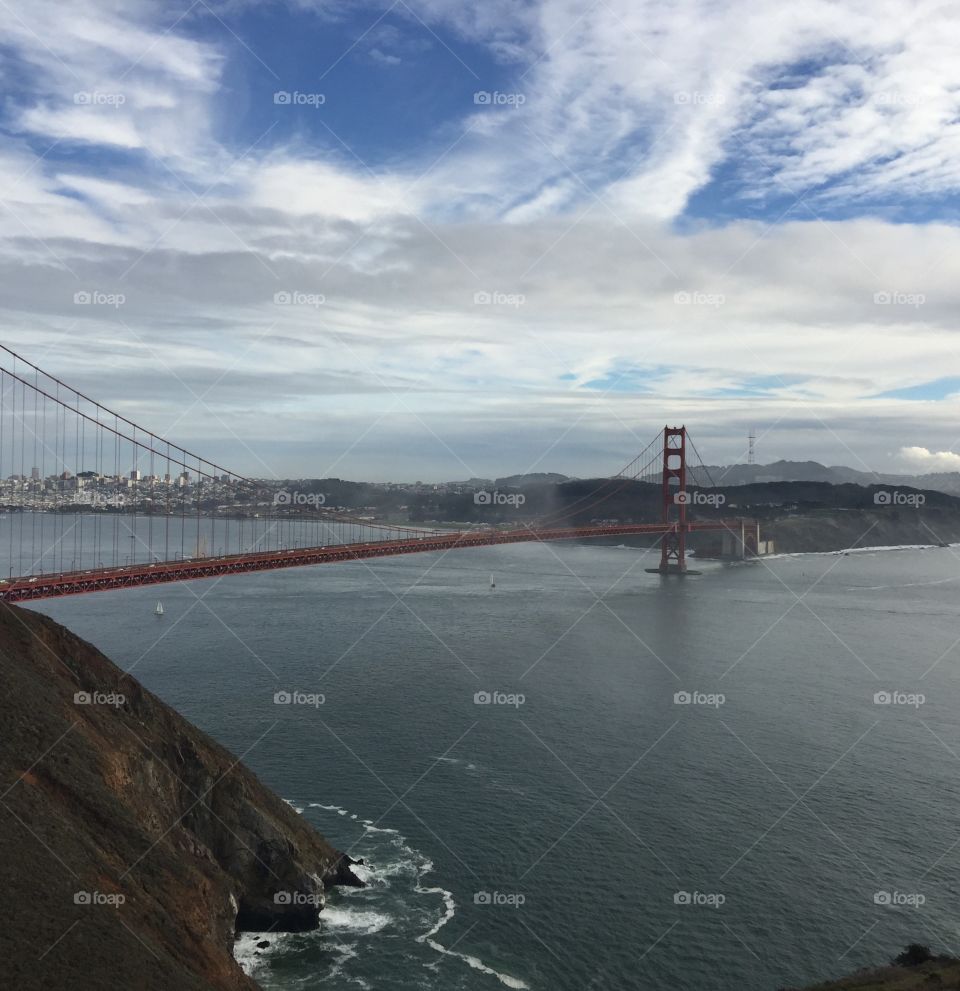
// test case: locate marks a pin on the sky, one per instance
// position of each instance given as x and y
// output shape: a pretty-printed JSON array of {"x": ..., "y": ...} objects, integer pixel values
[{"x": 434, "y": 240}]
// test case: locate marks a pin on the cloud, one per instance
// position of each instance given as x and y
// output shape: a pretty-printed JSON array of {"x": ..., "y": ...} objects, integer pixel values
[
  {"x": 601, "y": 314},
  {"x": 598, "y": 341},
  {"x": 87, "y": 126},
  {"x": 299, "y": 187},
  {"x": 106, "y": 74},
  {"x": 644, "y": 103},
  {"x": 383, "y": 58},
  {"x": 924, "y": 460}
]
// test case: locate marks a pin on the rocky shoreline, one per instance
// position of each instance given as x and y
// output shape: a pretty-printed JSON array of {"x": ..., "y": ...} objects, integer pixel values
[
  {"x": 135, "y": 845},
  {"x": 833, "y": 530},
  {"x": 914, "y": 969}
]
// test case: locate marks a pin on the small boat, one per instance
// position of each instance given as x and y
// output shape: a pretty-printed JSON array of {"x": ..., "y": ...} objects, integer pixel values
[
  {"x": 493, "y": 584},
  {"x": 159, "y": 610}
]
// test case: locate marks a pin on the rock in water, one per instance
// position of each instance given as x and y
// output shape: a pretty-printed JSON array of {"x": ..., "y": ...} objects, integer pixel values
[{"x": 134, "y": 846}]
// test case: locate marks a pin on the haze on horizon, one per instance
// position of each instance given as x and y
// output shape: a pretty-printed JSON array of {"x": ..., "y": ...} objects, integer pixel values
[{"x": 430, "y": 241}]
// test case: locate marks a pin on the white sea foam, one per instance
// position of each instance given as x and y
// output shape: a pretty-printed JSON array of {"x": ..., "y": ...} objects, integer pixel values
[
  {"x": 346, "y": 952},
  {"x": 880, "y": 549},
  {"x": 246, "y": 954},
  {"x": 477, "y": 964},
  {"x": 344, "y": 919},
  {"x": 249, "y": 956},
  {"x": 364, "y": 872},
  {"x": 450, "y": 909},
  {"x": 341, "y": 918}
]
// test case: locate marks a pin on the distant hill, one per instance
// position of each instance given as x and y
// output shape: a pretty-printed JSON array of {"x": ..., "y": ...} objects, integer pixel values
[
  {"x": 534, "y": 478},
  {"x": 813, "y": 471}
]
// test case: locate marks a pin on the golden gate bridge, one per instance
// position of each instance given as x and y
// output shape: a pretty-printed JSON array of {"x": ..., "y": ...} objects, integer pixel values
[{"x": 93, "y": 501}]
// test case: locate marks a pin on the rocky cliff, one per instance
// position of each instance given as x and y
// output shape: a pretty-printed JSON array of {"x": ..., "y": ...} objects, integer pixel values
[
  {"x": 133, "y": 844},
  {"x": 915, "y": 969}
]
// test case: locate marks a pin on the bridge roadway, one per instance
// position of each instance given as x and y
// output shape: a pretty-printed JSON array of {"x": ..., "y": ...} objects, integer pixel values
[{"x": 102, "y": 579}]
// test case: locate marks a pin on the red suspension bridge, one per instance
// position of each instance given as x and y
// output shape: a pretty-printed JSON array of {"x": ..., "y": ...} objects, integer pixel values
[{"x": 92, "y": 501}]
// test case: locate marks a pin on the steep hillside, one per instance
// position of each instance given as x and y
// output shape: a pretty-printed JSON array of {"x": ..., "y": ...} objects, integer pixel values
[{"x": 133, "y": 844}]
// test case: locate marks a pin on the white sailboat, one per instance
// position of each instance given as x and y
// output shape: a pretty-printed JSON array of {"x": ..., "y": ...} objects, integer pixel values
[
  {"x": 159, "y": 610},
  {"x": 493, "y": 584}
]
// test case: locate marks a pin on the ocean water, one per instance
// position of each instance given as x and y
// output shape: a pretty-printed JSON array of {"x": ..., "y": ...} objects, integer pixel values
[{"x": 587, "y": 777}]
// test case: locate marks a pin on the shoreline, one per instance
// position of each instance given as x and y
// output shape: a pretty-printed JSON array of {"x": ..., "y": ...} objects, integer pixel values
[{"x": 873, "y": 549}]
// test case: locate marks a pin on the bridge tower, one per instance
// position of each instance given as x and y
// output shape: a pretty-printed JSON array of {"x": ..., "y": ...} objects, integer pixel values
[{"x": 673, "y": 547}]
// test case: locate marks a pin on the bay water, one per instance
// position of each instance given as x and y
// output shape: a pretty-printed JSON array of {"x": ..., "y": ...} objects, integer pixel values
[{"x": 586, "y": 776}]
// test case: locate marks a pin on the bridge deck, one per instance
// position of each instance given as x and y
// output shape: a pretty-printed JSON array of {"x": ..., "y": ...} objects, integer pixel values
[{"x": 103, "y": 579}]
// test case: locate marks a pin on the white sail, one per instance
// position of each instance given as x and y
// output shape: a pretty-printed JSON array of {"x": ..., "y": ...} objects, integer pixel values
[{"x": 159, "y": 610}]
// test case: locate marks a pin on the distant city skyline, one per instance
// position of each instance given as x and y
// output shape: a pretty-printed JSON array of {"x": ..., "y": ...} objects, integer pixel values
[{"x": 437, "y": 241}]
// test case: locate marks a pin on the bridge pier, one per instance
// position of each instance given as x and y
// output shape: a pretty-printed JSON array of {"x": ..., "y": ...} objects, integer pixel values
[{"x": 738, "y": 545}]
